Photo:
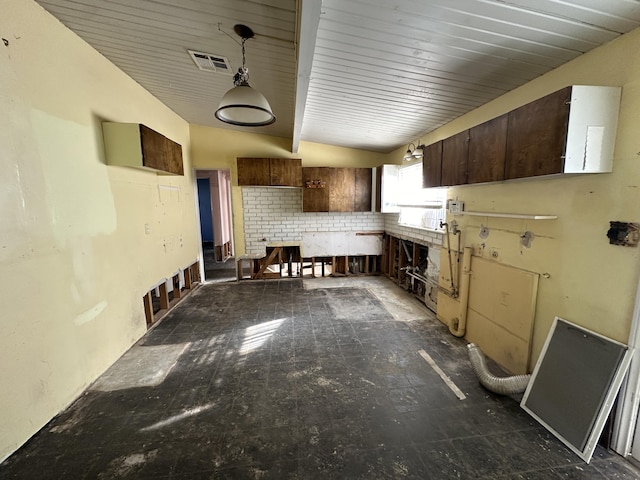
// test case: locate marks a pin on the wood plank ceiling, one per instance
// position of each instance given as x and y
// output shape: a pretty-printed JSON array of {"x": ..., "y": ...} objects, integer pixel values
[{"x": 371, "y": 74}]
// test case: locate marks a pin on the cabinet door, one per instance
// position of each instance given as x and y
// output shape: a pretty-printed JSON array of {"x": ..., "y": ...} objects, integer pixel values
[
  {"x": 362, "y": 201},
  {"x": 286, "y": 172},
  {"x": 455, "y": 153},
  {"x": 487, "y": 150},
  {"x": 387, "y": 189},
  {"x": 160, "y": 153},
  {"x": 432, "y": 165},
  {"x": 254, "y": 171},
  {"x": 342, "y": 189},
  {"x": 315, "y": 199},
  {"x": 378, "y": 204},
  {"x": 536, "y": 136}
]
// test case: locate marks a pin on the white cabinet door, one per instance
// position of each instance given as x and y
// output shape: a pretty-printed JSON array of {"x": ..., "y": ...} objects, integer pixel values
[{"x": 389, "y": 189}]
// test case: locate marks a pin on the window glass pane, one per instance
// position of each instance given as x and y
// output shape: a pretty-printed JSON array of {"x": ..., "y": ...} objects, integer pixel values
[{"x": 420, "y": 207}]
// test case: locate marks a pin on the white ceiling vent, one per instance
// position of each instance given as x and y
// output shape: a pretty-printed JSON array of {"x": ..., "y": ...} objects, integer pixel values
[{"x": 210, "y": 62}]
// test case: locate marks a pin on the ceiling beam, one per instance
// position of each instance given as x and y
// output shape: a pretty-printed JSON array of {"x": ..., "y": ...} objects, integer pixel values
[{"x": 309, "y": 18}]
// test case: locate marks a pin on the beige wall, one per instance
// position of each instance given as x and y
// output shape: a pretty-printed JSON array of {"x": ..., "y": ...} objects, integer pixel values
[
  {"x": 217, "y": 148},
  {"x": 74, "y": 256},
  {"x": 590, "y": 282}
]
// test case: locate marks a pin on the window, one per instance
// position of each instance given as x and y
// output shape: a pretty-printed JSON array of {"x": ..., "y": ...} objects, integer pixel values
[{"x": 420, "y": 207}]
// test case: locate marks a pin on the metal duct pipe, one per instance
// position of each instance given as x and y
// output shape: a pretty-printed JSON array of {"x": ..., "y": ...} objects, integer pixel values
[
  {"x": 454, "y": 289},
  {"x": 502, "y": 385},
  {"x": 406, "y": 250},
  {"x": 458, "y": 325}
]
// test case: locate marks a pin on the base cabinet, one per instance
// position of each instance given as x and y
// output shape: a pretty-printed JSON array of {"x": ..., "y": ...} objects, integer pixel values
[{"x": 408, "y": 263}]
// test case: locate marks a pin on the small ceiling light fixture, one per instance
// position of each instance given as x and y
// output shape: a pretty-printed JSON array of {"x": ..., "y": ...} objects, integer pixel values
[
  {"x": 415, "y": 152},
  {"x": 242, "y": 105}
]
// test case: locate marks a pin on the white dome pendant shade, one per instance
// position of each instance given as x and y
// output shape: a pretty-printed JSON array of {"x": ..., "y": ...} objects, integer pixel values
[{"x": 242, "y": 105}]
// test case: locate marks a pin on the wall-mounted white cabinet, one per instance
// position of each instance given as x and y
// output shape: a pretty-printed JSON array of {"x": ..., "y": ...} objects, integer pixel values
[
  {"x": 136, "y": 145},
  {"x": 387, "y": 188},
  {"x": 591, "y": 135}
]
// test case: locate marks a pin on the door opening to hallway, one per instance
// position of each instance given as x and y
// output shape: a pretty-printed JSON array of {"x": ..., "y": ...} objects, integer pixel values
[{"x": 216, "y": 226}]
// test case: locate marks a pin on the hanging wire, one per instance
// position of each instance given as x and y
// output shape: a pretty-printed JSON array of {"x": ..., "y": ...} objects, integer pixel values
[{"x": 242, "y": 77}]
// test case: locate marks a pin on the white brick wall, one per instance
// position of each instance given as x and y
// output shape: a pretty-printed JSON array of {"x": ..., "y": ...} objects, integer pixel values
[
  {"x": 274, "y": 215},
  {"x": 414, "y": 234}
]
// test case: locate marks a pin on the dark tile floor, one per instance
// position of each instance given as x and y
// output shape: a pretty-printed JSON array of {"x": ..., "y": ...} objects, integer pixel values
[
  {"x": 273, "y": 381},
  {"x": 215, "y": 271}
]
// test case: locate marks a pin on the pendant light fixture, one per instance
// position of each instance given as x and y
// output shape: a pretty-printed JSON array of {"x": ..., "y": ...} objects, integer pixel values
[{"x": 242, "y": 105}]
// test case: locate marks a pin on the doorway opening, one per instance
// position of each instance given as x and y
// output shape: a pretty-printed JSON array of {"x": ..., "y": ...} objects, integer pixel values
[{"x": 216, "y": 224}]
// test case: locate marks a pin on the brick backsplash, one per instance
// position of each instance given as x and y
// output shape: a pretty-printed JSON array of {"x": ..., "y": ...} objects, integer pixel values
[
  {"x": 273, "y": 215},
  {"x": 420, "y": 235}
]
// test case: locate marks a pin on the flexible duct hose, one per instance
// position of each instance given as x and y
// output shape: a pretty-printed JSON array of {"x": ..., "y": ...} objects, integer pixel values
[{"x": 502, "y": 385}]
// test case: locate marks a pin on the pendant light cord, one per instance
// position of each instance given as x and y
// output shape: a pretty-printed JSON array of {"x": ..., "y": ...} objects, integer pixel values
[
  {"x": 243, "y": 40},
  {"x": 242, "y": 77}
]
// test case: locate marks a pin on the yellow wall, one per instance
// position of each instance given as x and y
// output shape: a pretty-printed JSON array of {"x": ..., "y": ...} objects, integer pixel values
[
  {"x": 217, "y": 148},
  {"x": 590, "y": 282},
  {"x": 74, "y": 256}
]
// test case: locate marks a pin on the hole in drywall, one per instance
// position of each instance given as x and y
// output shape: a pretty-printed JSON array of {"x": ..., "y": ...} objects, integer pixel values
[
  {"x": 526, "y": 239},
  {"x": 623, "y": 233}
]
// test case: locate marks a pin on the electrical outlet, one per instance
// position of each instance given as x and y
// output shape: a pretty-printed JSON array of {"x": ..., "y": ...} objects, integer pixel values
[
  {"x": 478, "y": 250},
  {"x": 494, "y": 253},
  {"x": 456, "y": 207}
]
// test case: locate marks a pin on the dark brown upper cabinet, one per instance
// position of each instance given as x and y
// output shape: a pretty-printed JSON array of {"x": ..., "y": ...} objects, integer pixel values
[
  {"x": 432, "y": 165},
  {"x": 254, "y": 171},
  {"x": 286, "y": 172},
  {"x": 487, "y": 151},
  {"x": 265, "y": 172},
  {"x": 537, "y": 136},
  {"x": 455, "y": 153},
  {"x": 572, "y": 130},
  {"x": 336, "y": 189},
  {"x": 362, "y": 201},
  {"x": 342, "y": 189},
  {"x": 160, "y": 153},
  {"x": 315, "y": 194},
  {"x": 136, "y": 145}
]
